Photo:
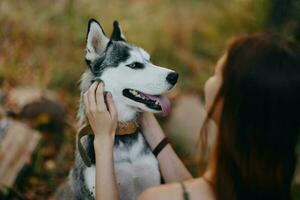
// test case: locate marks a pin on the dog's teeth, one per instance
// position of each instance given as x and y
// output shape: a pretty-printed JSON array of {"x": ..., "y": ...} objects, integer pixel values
[{"x": 156, "y": 102}]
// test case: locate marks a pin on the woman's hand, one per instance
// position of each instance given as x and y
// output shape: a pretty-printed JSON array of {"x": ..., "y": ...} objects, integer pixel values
[
  {"x": 102, "y": 115},
  {"x": 103, "y": 120}
]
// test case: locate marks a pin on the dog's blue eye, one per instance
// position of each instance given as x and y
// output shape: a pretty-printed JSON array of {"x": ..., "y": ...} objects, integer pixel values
[
  {"x": 131, "y": 65},
  {"x": 136, "y": 65}
]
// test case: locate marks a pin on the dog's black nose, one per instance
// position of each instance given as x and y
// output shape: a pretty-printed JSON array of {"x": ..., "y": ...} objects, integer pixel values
[{"x": 172, "y": 78}]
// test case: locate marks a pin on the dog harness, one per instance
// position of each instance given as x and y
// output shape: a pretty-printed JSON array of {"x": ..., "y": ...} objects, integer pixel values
[{"x": 126, "y": 128}]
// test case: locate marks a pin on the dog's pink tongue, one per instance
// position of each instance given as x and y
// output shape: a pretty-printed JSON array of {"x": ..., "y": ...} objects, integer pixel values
[{"x": 163, "y": 102}]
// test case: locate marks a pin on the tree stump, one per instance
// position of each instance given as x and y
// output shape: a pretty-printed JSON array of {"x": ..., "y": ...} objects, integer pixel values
[
  {"x": 38, "y": 108},
  {"x": 17, "y": 142}
]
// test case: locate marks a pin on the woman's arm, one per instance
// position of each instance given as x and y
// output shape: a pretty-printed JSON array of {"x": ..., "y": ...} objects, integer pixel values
[
  {"x": 171, "y": 166},
  {"x": 103, "y": 120},
  {"x": 106, "y": 187}
]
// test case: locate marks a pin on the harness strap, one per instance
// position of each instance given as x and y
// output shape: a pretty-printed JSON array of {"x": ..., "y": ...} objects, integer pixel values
[
  {"x": 83, "y": 131},
  {"x": 123, "y": 129},
  {"x": 185, "y": 194}
]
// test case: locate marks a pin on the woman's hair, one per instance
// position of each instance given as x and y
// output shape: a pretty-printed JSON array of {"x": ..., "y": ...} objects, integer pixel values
[{"x": 260, "y": 119}]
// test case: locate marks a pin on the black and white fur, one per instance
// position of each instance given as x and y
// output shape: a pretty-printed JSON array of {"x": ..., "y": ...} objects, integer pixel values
[{"x": 119, "y": 65}]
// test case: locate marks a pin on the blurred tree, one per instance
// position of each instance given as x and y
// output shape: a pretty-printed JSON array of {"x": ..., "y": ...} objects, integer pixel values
[{"x": 284, "y": 17}]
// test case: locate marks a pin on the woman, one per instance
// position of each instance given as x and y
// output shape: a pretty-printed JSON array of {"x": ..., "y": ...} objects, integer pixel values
[{"x": 254, "y": 98}]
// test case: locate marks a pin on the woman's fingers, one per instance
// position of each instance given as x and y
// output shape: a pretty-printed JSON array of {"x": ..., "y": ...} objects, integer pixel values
[
  {"x": 100, "y": 98},
  {"x": 111, "y": 106},
  {"x": 86, "y": 101},
  {"x": 91, "y": 96},
  {"x": 94, "y": 100}
]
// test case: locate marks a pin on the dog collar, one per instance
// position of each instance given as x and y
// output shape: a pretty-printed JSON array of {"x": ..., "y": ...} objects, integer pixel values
[
  {"x": 127, "y": 128},
  {"x": 123, "y": 128}
]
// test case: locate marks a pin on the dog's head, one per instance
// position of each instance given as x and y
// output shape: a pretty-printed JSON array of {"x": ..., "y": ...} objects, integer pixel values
[{"x": 127, "y": 72}]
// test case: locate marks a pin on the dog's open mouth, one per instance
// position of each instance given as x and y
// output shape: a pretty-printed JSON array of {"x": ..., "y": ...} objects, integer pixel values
[{"x": 154, "y": 102}]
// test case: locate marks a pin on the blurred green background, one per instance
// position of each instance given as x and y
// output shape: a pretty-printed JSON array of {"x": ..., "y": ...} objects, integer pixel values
[{"x": 42, "y": 44}]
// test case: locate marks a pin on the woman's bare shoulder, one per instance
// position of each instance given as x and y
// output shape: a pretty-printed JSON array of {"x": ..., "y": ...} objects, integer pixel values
[
  {"x": 197, "y": 189},
  {"x": 166, "y": 191}
]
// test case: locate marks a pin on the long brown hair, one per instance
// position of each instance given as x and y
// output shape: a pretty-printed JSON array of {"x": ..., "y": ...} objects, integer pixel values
[{"x": 260, "y": 120}]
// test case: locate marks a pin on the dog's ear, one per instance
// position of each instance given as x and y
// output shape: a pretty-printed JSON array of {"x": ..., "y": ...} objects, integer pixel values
[
  {"x": 117, "y": 34},
  {"x": 96, "y": 41}
]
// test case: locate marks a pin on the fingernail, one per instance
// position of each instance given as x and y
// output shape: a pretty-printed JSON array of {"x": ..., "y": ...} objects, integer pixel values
[
  {"x": 98, "y": 80},
  {"x": 109, "y": 94},
  {"x": 101, "y": 82},
  {"x": 93, "y": 81}
]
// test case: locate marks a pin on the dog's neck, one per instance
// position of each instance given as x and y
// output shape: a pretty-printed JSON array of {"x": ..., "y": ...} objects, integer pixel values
[
  {"x": 125, "y": 112},
  {"x": 127, "y": 119}
]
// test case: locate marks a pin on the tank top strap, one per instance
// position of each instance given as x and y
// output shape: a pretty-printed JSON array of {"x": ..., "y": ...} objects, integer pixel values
[{"x": 185, "y": 194}]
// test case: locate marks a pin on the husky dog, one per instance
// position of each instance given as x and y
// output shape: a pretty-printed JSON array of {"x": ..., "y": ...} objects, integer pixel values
[{"x": 136, "y": 85}]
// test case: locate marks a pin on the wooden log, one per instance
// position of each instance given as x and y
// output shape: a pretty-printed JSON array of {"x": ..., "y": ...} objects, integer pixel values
[
  {"x": 37, "y": 107},
  {"x": 17, "y": 142}
]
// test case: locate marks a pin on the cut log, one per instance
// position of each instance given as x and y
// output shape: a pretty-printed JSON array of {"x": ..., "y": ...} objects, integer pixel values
[
  {"x": 38, "y": 108},
  {"x": 17, "y": 142}
]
